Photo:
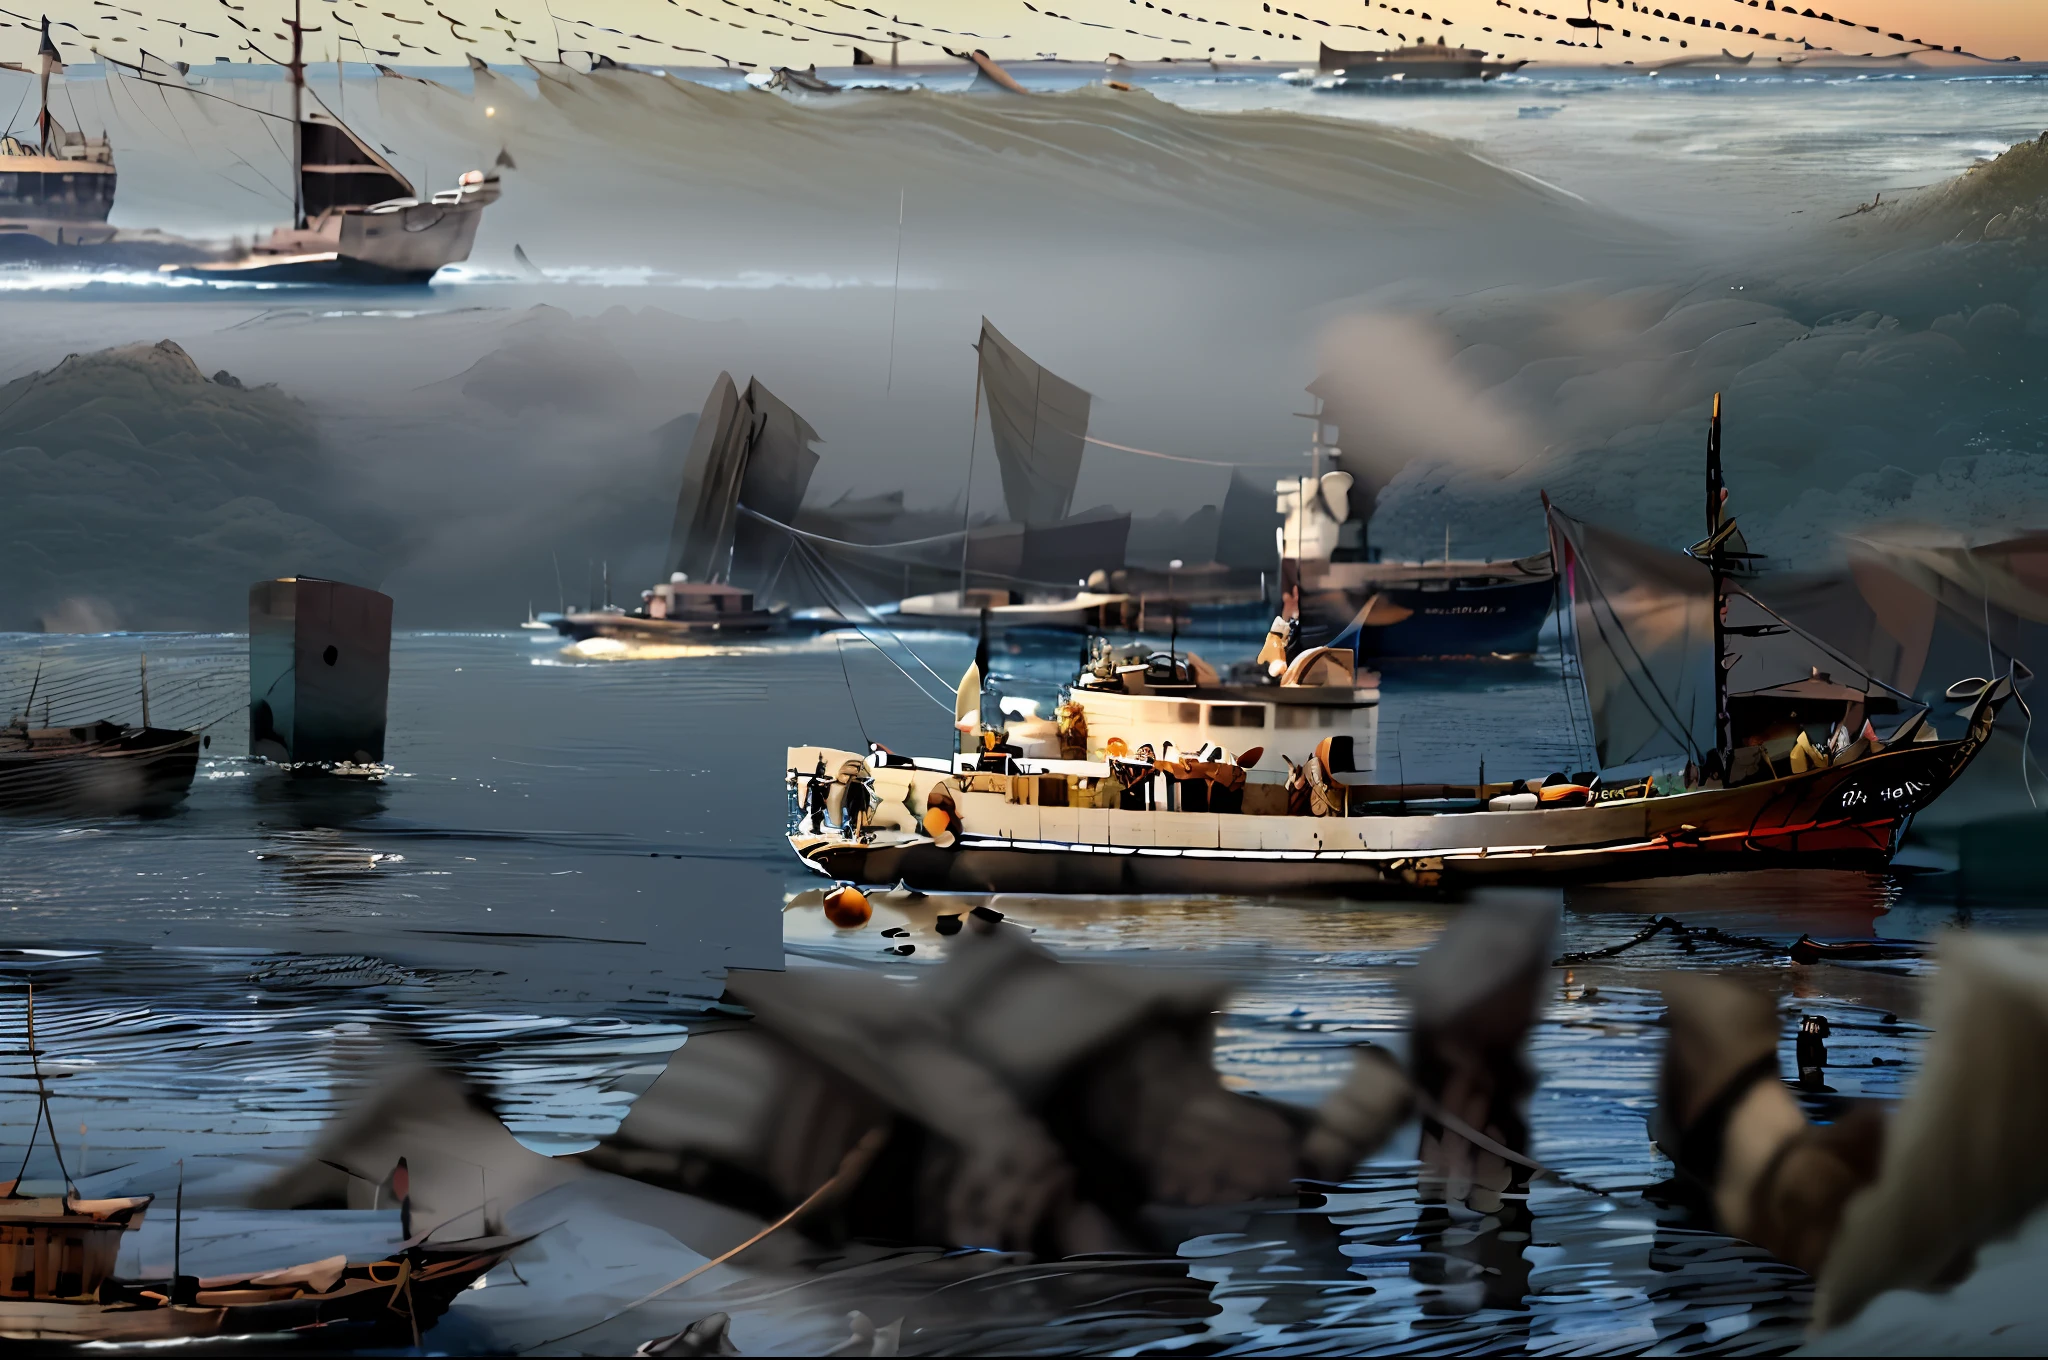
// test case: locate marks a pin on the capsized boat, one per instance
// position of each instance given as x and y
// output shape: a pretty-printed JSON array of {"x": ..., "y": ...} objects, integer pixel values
[
  {"x": 355, "y": 218},
  {"x": 1707, "y": 759}
]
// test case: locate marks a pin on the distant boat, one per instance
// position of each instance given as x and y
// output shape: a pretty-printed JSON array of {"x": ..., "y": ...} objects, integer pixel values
[
  {"x": 57, "y": 189},
  {"x": 945, "y": 611},
  {"x": 103, "y": 766},
  {"x": 355, "y": 218},
  {"x": 535, "y": 623},
  {"x": 749, "y": 463},
  {"x": 1440, "y": 610},
  {"x": 1708, "y": 757},
  {"x": 1336, "y": 68}
]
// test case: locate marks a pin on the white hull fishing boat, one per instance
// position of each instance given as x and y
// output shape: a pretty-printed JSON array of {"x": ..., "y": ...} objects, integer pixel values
[{"x": 1713, "y": 760}]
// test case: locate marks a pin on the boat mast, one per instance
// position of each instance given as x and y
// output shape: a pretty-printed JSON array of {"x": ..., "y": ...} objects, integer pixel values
[
  {"x": 51, "y": 61},
  {"x": 1717, "y": 501},
  {"x": 297, "y": 70}
]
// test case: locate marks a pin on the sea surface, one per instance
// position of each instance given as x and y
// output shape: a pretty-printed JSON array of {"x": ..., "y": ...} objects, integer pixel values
[{"x": 568, "y": 854}]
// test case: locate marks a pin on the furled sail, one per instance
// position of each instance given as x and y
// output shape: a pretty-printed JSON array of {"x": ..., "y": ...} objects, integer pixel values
[
  {"x": 748, "y": 449},
  {"x": 1040, "y": 424},
  {"x": 1643, "y": 619},
  {"x": 339, "y": 170},
  {"x": 780, "y": 461}
]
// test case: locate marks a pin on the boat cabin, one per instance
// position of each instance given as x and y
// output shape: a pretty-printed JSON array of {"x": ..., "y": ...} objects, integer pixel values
[{"x": 681, "y": 599}]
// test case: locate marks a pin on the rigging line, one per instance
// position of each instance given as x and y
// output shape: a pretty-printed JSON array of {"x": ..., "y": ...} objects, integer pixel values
[
  {"x": 851, "y": 702},
  {"x": 1181, "y": 457},
  {"x": 17, "y": 108},
  {"x": 795, "y": 532},
  {"x": 208, "y": 94},
  {"x": 851, "y": 1167},
  {"x": 854, "y": 596},
  {"x": 1670, "y": 707},
  {"x": 885, "y": 654},
  {"x": 1850, "y": 662}
]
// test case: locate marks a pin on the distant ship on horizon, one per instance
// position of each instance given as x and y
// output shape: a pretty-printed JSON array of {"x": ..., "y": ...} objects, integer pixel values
[
  {"x": 1336, "y": 68},
  {"x": 58, "y": 189},
  {"x": 355, "y": 218}
]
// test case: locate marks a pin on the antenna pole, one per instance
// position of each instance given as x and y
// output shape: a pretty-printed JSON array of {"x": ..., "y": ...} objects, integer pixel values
[
  {"x": 145, "y": 689},
  {"x": 967, "y": 501}
]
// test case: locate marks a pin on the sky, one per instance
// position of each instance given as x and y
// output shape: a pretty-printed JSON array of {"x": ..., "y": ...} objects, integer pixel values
[{"x": 825, "y": 32}]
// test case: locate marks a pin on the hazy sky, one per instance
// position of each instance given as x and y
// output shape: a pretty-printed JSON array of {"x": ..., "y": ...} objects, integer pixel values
[{"x": 801, "y": 32}]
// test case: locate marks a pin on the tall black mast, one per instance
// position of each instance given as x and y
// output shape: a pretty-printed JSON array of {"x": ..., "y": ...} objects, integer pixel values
[
  {"x": 297, "y": 69},
  {"x": 1717, "y": 506}
]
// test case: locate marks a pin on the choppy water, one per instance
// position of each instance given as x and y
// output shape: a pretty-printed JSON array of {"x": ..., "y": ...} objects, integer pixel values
[{"x": 569, "y": 854}]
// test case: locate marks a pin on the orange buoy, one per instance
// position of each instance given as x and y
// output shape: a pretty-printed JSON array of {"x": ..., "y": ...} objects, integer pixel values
[
  {"x": 847, "y": 906},
  {"x": 937, "y": 822}
]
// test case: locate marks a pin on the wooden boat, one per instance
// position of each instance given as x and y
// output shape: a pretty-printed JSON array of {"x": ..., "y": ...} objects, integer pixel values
[
  {"x": 103, "y": 766},
  {"x": 355, "y": 218},
  {"x": 1694, "y": 775},
  {"x": 678, "y": 611},
  {"x": 58, "y": 1254}
]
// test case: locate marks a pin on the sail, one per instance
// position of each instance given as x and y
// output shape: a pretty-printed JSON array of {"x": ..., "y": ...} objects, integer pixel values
[
  {"x": 1040, "y": 423},
  {"x": 339, "y": 170},
  {"x": 748, "y": 449},
  {"x": 700, "y": 543},
  {"x": 1643, "y": 620},
  {"x": 779, "y": 464}
]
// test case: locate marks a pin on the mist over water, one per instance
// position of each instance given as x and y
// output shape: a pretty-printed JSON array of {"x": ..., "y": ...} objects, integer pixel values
[
  {"x": 1533, "y": 286},
  {"x": 1189, "y": 251}
]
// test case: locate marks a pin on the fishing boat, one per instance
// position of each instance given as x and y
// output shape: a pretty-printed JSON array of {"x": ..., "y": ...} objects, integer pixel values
[
  {"x": 59, "y": 1253},
  {"x": 748, "y": 465},
  {"x": 57, "y": 190},
  {"x": 1337, "y": 69},
  {"x": 1718, "y": 743},
  {"x": 355, "y": 218},
  {"x": 1447, "y": 609},
  {"x": 103, "y": 767}
]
